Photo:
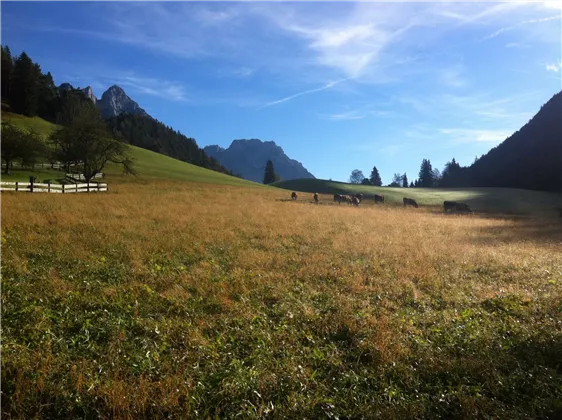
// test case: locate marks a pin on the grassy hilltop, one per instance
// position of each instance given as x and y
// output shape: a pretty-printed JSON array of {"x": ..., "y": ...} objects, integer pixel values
[{"x": 169, "y": 298}]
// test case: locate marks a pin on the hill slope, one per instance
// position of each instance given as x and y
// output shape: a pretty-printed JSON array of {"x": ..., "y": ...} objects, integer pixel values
[
  {"x": 248, "y": 158},
  {"x": 531, "y": 158},
  {"x": 494, "y": 200},
  {"x": 148, "y": 164}
]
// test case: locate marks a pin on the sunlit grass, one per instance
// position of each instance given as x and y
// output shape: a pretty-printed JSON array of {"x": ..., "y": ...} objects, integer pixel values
[{"x": 183, "y": 300}]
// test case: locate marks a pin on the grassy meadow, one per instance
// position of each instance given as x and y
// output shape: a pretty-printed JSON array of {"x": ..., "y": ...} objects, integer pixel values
[
  {"x": 482, "y": 200},
  {"x": 178, "y": 299}
]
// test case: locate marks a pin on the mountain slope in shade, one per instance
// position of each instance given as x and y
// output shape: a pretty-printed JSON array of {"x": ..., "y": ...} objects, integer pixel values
[
  {"x": 247, "y": 158},
  {"x": 531, "y": 158}
]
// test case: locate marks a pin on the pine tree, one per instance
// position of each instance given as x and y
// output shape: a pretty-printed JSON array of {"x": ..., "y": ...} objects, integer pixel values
[
  {"x": 7, "y": 70},
  {"x": 46, "y": 95},
  {"x": 24, "y": 86},
  {"x": 412, "y": 184},
  {"x": 269, "y": 175},
  {"x": 375, "y": 178},
  {"x": 426, "y": 174},
  {"x": 404, "y": 181}
]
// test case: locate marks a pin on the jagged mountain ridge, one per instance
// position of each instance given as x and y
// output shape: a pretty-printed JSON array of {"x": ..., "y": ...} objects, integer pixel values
[
  {"x": 247, "y": 158},
  {"x": 113, "y": 102}
]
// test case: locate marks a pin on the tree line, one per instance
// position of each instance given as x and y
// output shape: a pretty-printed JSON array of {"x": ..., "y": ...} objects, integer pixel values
[{"x": 453, "y": 175}]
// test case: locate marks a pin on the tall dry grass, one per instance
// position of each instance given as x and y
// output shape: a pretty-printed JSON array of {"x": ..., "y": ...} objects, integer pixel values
[{"x": 185, "y": 300}]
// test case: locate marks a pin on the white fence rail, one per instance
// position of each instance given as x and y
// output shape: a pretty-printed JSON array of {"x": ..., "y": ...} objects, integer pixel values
[
  {"x": 80, "y": 176},
  {"x": 52, "y": 188}
]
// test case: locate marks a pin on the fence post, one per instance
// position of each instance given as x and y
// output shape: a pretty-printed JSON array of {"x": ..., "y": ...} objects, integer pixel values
[
  {"x": 49, "y": 186},
  {"x": 17, "y": 185},
  {"x": 31, "y": 179},
  {"x": 88, "y": 186},
  {"x": 98, "y": 187},
  {"x": 76, "y": 187},
  {"x": 63, "y": 188}
]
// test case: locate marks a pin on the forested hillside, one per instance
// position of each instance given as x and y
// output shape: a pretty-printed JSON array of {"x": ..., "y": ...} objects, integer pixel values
[{"x": 148, "y": 133}]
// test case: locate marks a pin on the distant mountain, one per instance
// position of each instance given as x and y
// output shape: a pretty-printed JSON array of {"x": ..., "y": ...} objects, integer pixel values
[
  {"x": 531, "y": 158},
  {"x": 115, "y": 101},
  {"x": 247, "y": 158}
]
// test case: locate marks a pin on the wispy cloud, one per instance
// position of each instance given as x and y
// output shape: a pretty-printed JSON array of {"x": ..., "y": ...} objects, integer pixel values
[
  {"x": 165, "y": 89},
  {"x": 306, "y": 92},
  {"x": 463, "y": 135},
  {"x": 526, "y": 22},
  {"x": 556, "y": 67}
]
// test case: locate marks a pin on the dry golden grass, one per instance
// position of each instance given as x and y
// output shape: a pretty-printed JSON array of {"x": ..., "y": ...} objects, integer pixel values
[{"x": 182, "y": 299}]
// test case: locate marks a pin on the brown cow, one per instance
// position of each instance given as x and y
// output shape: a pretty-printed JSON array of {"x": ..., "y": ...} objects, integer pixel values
[
  {"x": 463, "y": 208},
  {"x": 359, "y": 197},
  {"x": 449, "y": 205},
  {"x": 316, "y": 198},
  {"x": 348, "y": 199},
  {"x": 293, "y": 196},
  {"x": 379, "y": 199},
  {"x": 409, "y": 202},
  {"x": 355, "y": 201},
  {"x": 337, "y": 198}
]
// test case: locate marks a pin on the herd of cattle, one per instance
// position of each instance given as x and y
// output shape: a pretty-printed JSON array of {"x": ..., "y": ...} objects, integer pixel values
[{"x": 355, "y": 199}]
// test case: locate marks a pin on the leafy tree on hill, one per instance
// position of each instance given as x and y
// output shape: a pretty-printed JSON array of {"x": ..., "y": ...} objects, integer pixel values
[
  {"x": 269, "y": 175},
  {"x": 396, "y": 181},
  {"x": 356, "y": 177},
  {"x": 375, "y": 178},
  {"x": 88, "y": 141},
  {"x": 7, "y": 70},
  {"x": 366, "y": 181},
  {"x": 426, "y": 175},
  {"x": 24, "y": 86},
  {"x": 20, "y": 145}
]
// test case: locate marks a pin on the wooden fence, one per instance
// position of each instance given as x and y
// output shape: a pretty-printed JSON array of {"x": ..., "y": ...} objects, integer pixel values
[{"x": 52, "y": 188}]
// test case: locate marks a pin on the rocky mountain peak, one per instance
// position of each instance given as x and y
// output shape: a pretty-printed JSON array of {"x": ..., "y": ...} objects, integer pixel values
[
  {"x": 115, "y": 101},
  {"x": 248, "y": 157}
]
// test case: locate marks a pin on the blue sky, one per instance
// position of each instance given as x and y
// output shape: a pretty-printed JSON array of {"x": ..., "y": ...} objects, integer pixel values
[{"x": 338, "y": 85}]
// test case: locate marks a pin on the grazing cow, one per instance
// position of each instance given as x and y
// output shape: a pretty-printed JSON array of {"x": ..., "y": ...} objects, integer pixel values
[
  {"x": 337, "y": 198},
  {"x": 359, "y": 197},
  {"x": 409, "y": 202},
  {"x": 355, "y": 201},
  {"x": 348, "y": 199},
  {"x": 463, "y": 208},
  {"x": 379, "y": 199},
  {"x": 316, "y": 198},
  {"x": 293, "y": 196},
  {"x": 449, "y": 205}
]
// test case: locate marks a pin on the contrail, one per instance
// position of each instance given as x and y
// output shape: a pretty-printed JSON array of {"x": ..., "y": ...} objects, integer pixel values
[{"x": 288, "y": 98}]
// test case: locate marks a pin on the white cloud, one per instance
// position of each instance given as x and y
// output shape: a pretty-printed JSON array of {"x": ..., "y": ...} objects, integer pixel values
[
  {"x": 463, "y": 135},
  {"x": 526, "y": 22},
  {"x": 556, "y": 67}
]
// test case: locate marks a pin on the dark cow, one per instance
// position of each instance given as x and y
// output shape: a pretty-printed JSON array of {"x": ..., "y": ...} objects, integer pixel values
[
  {"x": 379, "y": 199},
  {"x": 316, "y": 198},
  {"x": 359, "y": 197},
  {"x": 337, "y": 198},
  {"x": 409, "y": 202},
  {"x": 463, "y": 208},
  {"x": 355, "y": 201},
  {"x": 293, "y": 196},
  {"x": 449, "y": 205}
]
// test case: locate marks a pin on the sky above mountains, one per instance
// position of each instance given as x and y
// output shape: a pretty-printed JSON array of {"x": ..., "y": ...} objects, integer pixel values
[{"x": 338, "y": 85}]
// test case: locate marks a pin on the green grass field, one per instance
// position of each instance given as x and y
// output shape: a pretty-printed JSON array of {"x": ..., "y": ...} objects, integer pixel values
[{"x": 482, "y": 200}]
